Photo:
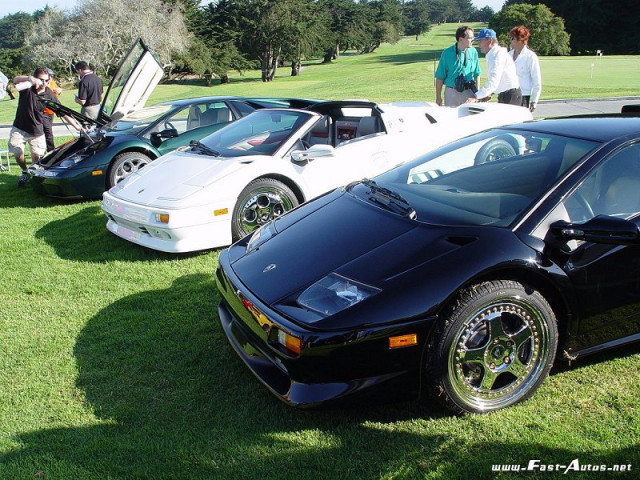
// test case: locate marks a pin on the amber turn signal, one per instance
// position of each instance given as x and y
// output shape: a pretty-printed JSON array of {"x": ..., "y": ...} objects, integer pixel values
[{"x": 403, "y": 341}]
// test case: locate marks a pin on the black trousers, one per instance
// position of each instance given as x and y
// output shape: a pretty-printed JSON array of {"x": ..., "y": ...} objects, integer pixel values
[
  {"x": 513, "y": 97},
  {"x": 47, "y": 126}
]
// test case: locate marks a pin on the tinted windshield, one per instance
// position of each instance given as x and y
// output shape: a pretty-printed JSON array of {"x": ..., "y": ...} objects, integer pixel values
[
  {"x": 141, "y": 118},
  {"x": 260, "y": 133},
  {"x": 485, "y": 179}
]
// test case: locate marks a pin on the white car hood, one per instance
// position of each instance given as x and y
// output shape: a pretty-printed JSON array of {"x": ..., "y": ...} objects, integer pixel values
[{"x": 175, "y": 179}]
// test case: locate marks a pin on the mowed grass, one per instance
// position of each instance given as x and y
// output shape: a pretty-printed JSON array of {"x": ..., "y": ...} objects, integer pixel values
[
  {"x": 403, "y": 71},
  {"x": 113, "y": 365}
]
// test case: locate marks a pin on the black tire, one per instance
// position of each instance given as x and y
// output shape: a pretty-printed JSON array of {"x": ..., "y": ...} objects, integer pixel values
[
  {"x": 124, "y": 165},
  {"x": 260, "y": 201},
  {"x": 493, "y": 349},
  {"x": 494, "y": 150}
]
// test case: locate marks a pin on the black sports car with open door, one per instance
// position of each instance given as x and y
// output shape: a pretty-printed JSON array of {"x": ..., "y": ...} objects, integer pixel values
[{"x": 462, "y": 274}]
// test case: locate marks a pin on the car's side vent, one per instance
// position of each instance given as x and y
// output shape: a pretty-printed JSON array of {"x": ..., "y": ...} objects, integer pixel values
[
  {"x": 475, "y": 110},
  {"x": 461, "y": 241}
]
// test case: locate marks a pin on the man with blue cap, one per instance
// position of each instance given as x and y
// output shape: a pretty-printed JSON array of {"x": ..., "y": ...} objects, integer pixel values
[{"x": 501, "y": 71}]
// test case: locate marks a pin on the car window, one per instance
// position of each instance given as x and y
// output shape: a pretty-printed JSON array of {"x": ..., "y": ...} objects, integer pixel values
[
  {"x": 203, "y": 115},
  {"x": 140, "y": 118},
  {"x": 242, "y": 108},
  {"x": 262, "y": 133},
  {"x": 486, "y": 179},
  {"x": 611, "y": 189}
]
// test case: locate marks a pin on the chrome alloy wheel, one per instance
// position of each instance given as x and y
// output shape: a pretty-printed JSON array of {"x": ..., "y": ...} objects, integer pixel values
[
  {"x": 498, "y": 355},
  {"x": 127, "y": 164},
  {"x": 261, "y": 206}
]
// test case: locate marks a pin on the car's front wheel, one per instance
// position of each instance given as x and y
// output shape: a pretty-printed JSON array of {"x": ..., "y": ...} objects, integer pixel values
[
  {"x": 493, "y": 349},
  {"x": 124, "y": 165},
  {"x": 260, "y": 201}
]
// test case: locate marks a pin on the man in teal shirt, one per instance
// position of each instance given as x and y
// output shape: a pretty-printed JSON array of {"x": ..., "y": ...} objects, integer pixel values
[{"x": 458, "y": 70}]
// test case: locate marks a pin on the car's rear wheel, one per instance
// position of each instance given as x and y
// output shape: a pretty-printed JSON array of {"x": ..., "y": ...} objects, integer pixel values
[
  {"x": 260, "y": 201},
  {"x": 494, "y": 150},
  {"x": 124, "y": 165},
  {"x": 494, "y": 348}
]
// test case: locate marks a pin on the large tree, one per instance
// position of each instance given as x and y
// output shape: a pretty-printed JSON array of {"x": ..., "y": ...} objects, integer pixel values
[
  {"x": 113, "y": 26},
  {"x": 388, "y": 23},
  {"x": 416, "y": 17},
  {"x": 13, "y": 31},
  {"x": 600, "y": 24},
  {"x": 548, "y": 35},
  {"x": 307, "y": 31},
  {"x": 350, "y": 24},
  {"x": 218, "y": 32}
]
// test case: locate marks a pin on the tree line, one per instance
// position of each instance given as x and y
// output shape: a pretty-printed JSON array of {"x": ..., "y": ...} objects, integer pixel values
[
  {"x": 220, "y": 37},
  {"x": 224, "y": 36}
]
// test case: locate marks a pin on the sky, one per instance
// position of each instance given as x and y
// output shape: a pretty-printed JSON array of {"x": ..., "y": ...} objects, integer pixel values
[{"x": 8, "y": 7}]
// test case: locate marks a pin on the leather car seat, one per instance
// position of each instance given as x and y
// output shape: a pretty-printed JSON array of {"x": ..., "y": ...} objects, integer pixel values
[{"x": 368, "y": 126}]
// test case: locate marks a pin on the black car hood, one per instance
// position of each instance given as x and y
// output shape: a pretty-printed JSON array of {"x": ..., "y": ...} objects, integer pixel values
[{"x": 345, "y": 235}]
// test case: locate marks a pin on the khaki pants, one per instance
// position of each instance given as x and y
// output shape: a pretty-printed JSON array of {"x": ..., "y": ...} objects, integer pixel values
[
  {"x": 454, "y": 98},
  {"x": 18, "y": 138}
]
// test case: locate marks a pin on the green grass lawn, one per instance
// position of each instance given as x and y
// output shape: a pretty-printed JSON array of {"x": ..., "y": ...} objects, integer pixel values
[
  {"x": 113, "y": 364},
  {"x": 403, "y": 71}
]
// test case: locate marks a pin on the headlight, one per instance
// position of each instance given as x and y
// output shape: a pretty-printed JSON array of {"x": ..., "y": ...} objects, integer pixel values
[
  {"x": 117, "y": 187},
  {"x": 261, "y": 235},
  {"x": 69, "y": 161},
  {"x": 334, "y": 293}
]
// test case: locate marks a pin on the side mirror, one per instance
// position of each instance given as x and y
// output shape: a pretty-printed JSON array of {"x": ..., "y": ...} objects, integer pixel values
[
  {"x": 156, "y": 137},
  {"x": 601, "y": 229},
  {"x": 315, "y": 151}
]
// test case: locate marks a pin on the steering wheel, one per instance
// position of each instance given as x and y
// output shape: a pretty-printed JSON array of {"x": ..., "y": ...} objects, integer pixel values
[
  {"x": 168, "y": 125},
  {"x": 582, "y": 207}
]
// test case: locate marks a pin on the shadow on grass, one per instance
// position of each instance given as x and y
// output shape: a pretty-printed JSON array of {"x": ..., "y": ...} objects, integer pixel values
[
  {"x": 410, "y": 57},
  {"x": 83, "y": 237},
  {"x": 173, "y": 401},
  {"x": 12, "y": 196}
]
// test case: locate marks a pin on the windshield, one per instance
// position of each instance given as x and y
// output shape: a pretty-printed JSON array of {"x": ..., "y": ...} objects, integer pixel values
[
  {"x": 486, "y": 179},
  {"x": 262, "y": 132},
  {"x": 141, "y": 118}
]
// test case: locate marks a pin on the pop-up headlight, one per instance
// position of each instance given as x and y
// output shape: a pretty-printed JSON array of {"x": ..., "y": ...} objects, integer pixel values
[
  {"x": 261, "y": 235},
  {"x": 334, "y": 293}
]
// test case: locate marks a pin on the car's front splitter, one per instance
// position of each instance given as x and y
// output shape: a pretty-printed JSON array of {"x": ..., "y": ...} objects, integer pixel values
[{"x": 68, "y": 183}]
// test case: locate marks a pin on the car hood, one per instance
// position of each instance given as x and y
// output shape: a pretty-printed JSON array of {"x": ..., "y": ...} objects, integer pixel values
[
  {"x": 342, "y": 234},
  {"x": 410, "y": 263},
  {"x": 173, "y": 180}
]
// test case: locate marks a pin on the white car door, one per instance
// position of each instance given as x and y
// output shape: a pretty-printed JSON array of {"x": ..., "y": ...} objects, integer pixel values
[{"x": 361, "y": 156}]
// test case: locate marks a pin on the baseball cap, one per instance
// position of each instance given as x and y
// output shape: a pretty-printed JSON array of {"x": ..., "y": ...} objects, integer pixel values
[
  {"x": 485, "y": 33},
  {"x": 49, "y": 72}
]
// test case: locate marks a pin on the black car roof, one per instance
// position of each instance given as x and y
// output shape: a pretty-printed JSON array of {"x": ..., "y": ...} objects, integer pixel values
[
  {"x": 600, "y": 128},
  {"x": 263, "y": 101}
]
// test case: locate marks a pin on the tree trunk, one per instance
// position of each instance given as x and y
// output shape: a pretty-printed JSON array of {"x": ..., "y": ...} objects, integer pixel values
[
  {"x": 295, "y": 68},
  {"x": 273, "y": 68}
]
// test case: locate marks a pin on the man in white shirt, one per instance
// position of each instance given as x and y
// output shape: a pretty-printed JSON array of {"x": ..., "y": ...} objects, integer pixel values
[{"x": 501, "y": 71}]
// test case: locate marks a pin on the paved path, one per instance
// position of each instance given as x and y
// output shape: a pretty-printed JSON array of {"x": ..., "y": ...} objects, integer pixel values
[
  {"x": 580, "y": 106},
  {"x": 546, "y": 108}
]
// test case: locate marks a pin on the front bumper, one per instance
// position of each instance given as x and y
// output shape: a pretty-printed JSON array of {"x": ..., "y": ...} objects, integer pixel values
[
  {"x": 333, "y": 366},
  {"x": 69, "y": 183},
  {"x": 188, "y": 230}
]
